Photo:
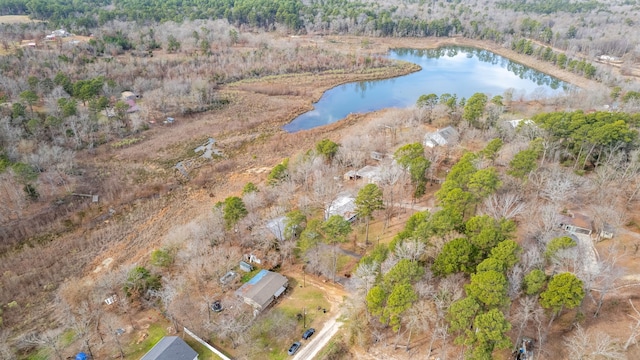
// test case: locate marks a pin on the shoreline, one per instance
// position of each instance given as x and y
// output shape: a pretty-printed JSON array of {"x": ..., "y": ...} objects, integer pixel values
[{"x": 383, "y": 45}]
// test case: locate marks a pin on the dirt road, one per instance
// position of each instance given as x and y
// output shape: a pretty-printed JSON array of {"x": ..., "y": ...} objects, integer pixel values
[
  {"x": 311, "y": 348},
  {"x": 335, "y": 294}
]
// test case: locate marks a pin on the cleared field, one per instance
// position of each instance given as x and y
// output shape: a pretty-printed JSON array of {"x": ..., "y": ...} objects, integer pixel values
[{"x": 15, "y": 19}]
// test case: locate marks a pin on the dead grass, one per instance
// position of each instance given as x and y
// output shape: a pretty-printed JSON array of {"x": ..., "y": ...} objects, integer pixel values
[
  {"x": 149, "y": 202},
  {"x": 16, "y": 19}
]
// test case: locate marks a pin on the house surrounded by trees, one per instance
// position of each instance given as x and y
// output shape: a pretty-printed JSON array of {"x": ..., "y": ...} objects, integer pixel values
[{"x": 263, "y": 289}]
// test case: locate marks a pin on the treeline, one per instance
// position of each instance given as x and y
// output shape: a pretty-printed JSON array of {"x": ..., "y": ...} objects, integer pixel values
[
  {"x": 263, "y": 14},
  {"x": 589, "y": 139},
  {"x": 588, "y": 34},
  {"x": 581, "y": 67},
  {"x": 550, "y": 6},
  {"x": 93, "y": 13}
]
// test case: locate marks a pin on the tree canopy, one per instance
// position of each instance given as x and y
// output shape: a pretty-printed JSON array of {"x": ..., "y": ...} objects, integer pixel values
[
  {"x": 411, "y": 157},
  {"x": 234, "y": 210},
  {"x": 327, "y": 148},
  {"x": 369, "y": 199},
  {"x": 565, "y": 290},
  {"x": 587, "y": 136}
]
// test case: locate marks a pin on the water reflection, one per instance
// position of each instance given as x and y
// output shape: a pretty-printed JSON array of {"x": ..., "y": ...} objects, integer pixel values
[{"x": 460, "y": 71}]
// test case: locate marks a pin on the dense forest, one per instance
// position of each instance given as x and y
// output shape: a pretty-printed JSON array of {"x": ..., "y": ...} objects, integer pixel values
[{"x": 485, "y": 267}]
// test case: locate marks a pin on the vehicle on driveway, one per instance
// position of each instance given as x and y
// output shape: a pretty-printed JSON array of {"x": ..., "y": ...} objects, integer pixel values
[
  {"x": 294, "y": 347},
  {"x": 307, "y": 334}
]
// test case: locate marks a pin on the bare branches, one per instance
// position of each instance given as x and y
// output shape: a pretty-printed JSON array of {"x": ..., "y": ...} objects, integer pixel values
[
  {"x": 48, "y": 339},
  {"x": 589, "y": 344},
  {"x": 635, "y": 328},
  {"x": 507, "y": 205}
]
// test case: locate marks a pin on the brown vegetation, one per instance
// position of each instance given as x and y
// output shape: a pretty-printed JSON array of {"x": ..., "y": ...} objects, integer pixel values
[{"x": 66, "y": 247}]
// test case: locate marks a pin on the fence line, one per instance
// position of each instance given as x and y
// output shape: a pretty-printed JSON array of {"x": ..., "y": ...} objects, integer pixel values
[{"x": 204, "y": 343}]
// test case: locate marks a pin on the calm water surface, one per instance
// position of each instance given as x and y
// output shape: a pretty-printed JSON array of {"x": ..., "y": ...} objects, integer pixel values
[{"x": 452, "y": 70}]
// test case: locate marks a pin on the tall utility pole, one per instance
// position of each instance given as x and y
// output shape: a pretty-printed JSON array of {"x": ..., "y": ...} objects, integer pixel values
[{"x": 304, "y": 318}]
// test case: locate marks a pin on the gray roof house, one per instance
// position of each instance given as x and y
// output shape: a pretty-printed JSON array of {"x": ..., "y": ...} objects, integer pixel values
[
  {"x": 442, "y": 137},
  {"x": 344, "y": 205},
  {"x": 262, "y": 289},
  {"x": 171, "y": 348},
  {"x": 371, "y": 174}
]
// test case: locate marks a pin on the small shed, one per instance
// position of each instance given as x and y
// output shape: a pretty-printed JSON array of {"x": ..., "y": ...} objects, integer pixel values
[
  {"x": 228, "y": 277},
  {"x": 246, "y": 267},
  {"x": 607, "y": 232},
  {"x": 378, "y": 156}
]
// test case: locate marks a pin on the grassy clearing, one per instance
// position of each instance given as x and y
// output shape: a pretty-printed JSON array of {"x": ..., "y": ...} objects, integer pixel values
[
  {"x": 156, "y": 332},
  {"x": 126, "y": 142},
  {"x": 203, "y": 352},
  {"x": 42, "y": 354},
  {"x": 310, "y": 298},
  {"x": 16, "y": 19},
  {"x": 272, "y": 334},
  {"x": 68, "y": 337},
  {"x": 247, "y": 276},
  {"x": 283, "y": 324}
]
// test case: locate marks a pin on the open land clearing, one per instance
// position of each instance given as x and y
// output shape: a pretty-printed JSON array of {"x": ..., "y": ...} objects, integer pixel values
[{"x": 148, "y": 200}]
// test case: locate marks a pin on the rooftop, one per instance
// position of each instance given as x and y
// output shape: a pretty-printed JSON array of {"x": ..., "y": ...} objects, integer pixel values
[
  {"x": 441, "y": 137},
  {"x": 344, "y": 205},
  {"x": 263, "y": 287},
  {"x": 171, "y": 348}
]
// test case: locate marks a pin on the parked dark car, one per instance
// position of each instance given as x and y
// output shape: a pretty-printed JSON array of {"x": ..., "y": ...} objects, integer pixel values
[
  {"x": 307, "y": 334},
  {"x": 294, "y": 347}
]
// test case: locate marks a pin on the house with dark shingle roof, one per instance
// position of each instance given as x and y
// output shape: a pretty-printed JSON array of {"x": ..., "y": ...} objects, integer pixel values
[
  {"x": 171, "y": 348},
  {"x": 263, "y": 289}
]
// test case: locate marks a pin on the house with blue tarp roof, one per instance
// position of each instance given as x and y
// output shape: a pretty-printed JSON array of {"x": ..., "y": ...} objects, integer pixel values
[{"x": 263, "y": 289}]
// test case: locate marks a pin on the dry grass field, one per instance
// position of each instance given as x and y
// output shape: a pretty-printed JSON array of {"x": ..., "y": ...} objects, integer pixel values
[
  {"x": 143, "y": 199},
  {"x": 15, "y": 19}
]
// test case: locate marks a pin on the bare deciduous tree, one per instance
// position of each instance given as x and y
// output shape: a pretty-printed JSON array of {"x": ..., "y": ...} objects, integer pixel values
[
  {"x": 589, "y": 344},
  {"x": 608, "y": 273},
  {"x": 49, "y": 339},
  {"x": 233, "y": 325},
  {"x": 410, "y": 249},
  {"x": 506, "y": 205},
  {"x": 528, "y": 310}
]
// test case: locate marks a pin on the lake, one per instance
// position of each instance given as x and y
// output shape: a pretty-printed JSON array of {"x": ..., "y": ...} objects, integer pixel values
[{"x": 454, "y": 70}]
